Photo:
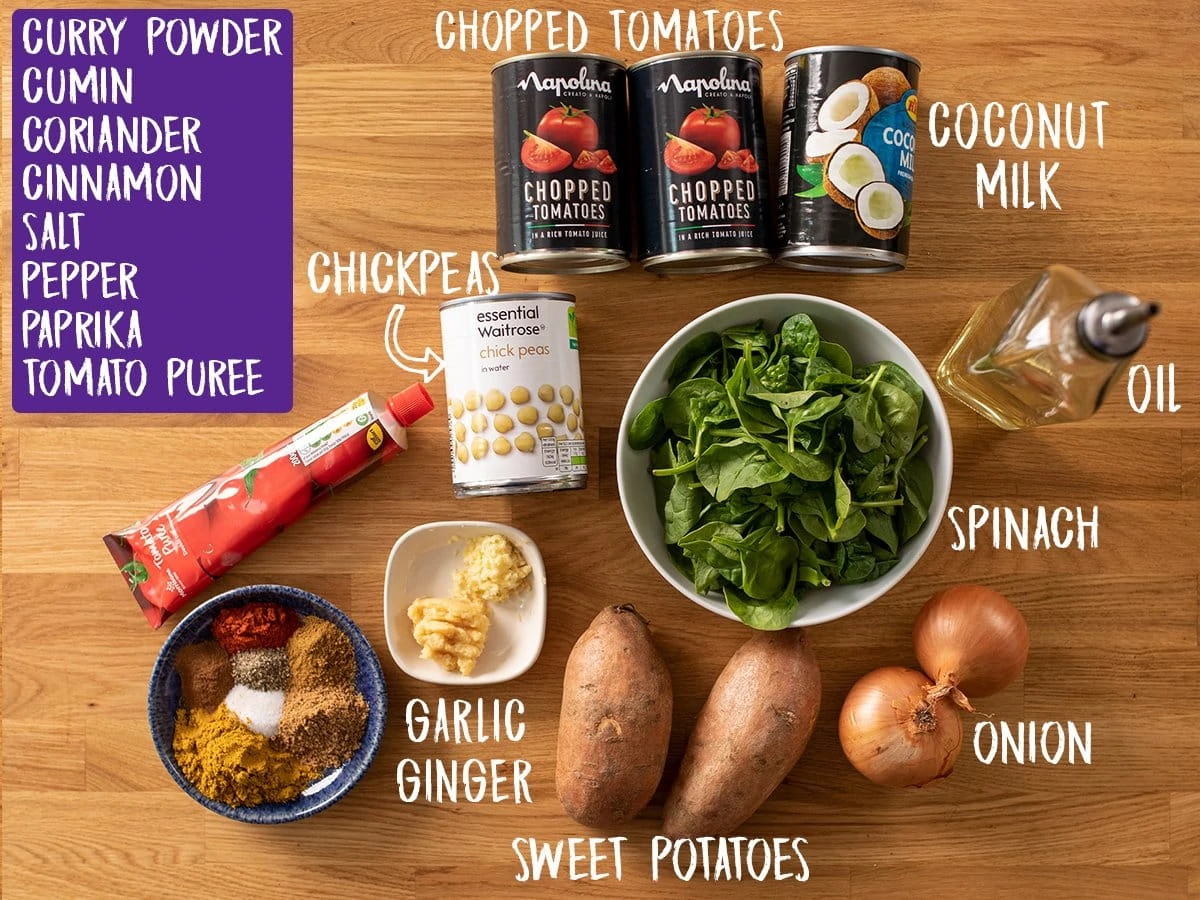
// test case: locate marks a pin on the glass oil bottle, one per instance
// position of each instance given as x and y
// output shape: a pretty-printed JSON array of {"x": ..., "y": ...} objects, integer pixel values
[{"x": 1045, "y": 351}]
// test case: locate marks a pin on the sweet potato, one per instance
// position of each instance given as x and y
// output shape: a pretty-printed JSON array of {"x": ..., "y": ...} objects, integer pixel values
[
  {"x": 615, "y": 723},
  {"x": 752, "y": 730}
]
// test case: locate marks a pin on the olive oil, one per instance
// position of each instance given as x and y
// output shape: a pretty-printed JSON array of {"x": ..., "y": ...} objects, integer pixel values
[{"x": 1045, "y": 351}]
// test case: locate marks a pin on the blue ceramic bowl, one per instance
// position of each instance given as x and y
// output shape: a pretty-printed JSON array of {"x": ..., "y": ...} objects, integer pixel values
[{"x": 164, "y": 699}]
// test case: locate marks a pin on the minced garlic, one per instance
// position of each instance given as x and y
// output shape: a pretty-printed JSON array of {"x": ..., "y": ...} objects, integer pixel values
[
  {"x": 492, "y": 570},
  {"x": 452, "y": 632}
]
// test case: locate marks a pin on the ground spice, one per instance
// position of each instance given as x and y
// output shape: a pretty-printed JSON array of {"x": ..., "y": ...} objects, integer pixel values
[
  {"x": 263, "y": 669},
  {"x": 254, "y": 625},
  {"x": 320, "y": 655},
  {"x": 205, "y": 675},
  {"x": 323, "y": 726},
  {"x": 231, "y": 764}
]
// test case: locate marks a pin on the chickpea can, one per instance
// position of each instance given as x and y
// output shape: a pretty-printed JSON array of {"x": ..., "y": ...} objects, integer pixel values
[{"x": 512, "y": 394}]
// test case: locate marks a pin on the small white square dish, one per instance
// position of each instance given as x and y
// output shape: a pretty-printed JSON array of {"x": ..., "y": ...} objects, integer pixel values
[{"x": 422, "y": 564}]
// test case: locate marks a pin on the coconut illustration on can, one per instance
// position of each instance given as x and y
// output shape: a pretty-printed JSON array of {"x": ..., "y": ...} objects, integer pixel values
[{"x": 849, "y": 135}]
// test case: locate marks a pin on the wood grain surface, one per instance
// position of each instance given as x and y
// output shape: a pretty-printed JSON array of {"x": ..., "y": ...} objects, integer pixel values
[{"x": 393, "y": 151}]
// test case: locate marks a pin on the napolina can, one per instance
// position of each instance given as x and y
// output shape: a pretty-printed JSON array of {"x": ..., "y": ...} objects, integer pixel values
[
  {"x": 512, "y": 394},
  {"x": 704, "y": 200},
  {"x": 560, "y": 136},
  {"x": 846, "y": 159}
]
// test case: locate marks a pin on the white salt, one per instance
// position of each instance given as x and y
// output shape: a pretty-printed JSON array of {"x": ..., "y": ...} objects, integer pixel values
[{"x": 260, "y": 710}]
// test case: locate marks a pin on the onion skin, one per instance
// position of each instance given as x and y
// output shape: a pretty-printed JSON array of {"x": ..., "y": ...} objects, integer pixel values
[
  {"x": 894, "y": 734},
  {"x": 972, "y": 641}
]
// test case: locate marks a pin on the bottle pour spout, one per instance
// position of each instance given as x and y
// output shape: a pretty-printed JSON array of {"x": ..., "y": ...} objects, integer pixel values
[{"x": 1115, "y": 324}]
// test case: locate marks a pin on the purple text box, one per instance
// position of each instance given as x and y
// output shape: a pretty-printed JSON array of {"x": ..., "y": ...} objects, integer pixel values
[{"x": 213, "y": 278}]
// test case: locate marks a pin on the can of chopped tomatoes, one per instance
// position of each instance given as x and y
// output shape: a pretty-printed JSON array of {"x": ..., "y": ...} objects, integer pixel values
[
  {"x": 703, "y": 184},
  {"x": 561, "y": 129}
]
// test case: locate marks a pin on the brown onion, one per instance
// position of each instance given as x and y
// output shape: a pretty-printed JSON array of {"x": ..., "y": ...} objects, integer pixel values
[
  {"x": 893, "y": 733},
  {"x": 972, "y": 641}
]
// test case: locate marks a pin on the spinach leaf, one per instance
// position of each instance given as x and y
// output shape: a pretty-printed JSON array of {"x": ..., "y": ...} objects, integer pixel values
[
  {"x": 798, "y": 336},
  {"x": 647, "y": 428},
  {"x": 692, "y": 359},
  {"x": 895, "y": 374},
  {"x": 805, "y": 466},
  {"x": 899, "y": 416},
  {"x": 881, "y": 526},
  {"x": 768, "y": 559},
  {"x": 917, "y": 479},
  {"x": 838, "y": 355},
  {"x": 770, "y": 616},
  {"x": 683, "y": 507},
  {"x": 723, "y": 469}
]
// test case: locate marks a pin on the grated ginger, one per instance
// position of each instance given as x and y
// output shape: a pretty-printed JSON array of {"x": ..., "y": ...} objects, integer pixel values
[{"x": 451, "y": 632}]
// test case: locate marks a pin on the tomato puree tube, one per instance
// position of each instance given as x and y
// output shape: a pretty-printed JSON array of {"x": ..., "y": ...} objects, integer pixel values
[{"x": 170, "y": 557}]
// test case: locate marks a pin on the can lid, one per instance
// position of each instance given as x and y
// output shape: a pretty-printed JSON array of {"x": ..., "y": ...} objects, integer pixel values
[
  {"x": 558, "y": 54},
  {"x": 410, "y": 404},
  {"x": 851, "y": 48},
  {"x": 514, "y": 295},
  {"x": 695, "y": 54}
]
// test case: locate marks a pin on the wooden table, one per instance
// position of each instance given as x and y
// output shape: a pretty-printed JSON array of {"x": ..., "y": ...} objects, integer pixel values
[{"x": 393, "y": 150}]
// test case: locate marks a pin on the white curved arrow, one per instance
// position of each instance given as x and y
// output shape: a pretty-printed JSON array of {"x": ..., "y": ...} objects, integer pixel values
[{"x": 427, "y": 366}]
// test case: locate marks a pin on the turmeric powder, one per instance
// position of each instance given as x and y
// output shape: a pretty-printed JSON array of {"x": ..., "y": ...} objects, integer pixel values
[{"x": 229, "y": 763}]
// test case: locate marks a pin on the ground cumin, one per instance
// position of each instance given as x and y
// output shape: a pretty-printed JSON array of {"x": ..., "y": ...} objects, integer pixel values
[
  {"x": 320, "y": 655},
  {"x": 228, "y": 762},
  {"x": 323, "y": 726},
  {"x": 205, "y": 676}
]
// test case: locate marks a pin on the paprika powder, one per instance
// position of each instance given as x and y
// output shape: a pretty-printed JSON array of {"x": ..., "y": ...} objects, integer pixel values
[{"x": 254, "y": 626}]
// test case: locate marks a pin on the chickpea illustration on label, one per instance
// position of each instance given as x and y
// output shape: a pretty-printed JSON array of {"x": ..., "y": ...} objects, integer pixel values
[{"x": 512, "y": 368}]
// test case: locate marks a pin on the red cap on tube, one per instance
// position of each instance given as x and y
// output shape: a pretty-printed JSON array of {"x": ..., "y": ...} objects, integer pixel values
[{"x": 410, "y": 404}]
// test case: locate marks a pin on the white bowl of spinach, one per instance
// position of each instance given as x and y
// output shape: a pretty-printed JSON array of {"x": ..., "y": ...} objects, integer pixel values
[{"x": 784, "y": 460}]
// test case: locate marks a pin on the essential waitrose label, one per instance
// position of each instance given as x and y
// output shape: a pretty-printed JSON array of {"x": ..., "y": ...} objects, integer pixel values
[
  {"x": 512, "y": 390},
  {"x": 152, "y": 211}
]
